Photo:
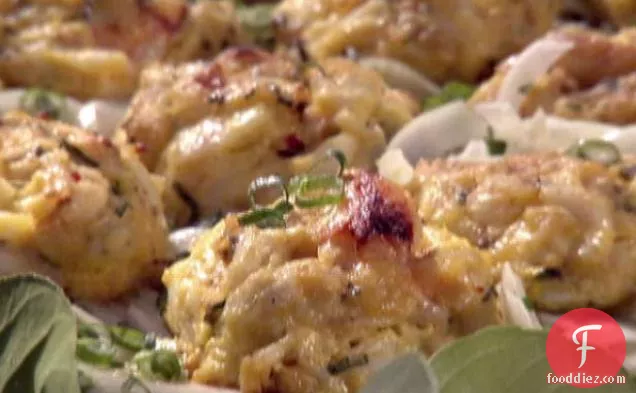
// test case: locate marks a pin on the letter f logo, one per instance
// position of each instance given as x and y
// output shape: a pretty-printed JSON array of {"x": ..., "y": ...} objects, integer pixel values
[{"x": 584, "y": 347}]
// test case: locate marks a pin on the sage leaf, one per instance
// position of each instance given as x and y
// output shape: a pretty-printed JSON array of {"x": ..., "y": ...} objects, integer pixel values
[
  {"x": 502, "y": 360},
  {"x": 37, "y": 337},
  {"x": 406, "y": 374}
]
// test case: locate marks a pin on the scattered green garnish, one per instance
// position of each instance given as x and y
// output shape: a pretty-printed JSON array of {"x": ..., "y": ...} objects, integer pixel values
[
  {"x": 305, "y": 191},
  {"x": 452, "y": 91},
  {"x": 597, "y": 150},
  {"x": 131, "y": 339},
  {"x": 43, "y": 103},
  {"x": 317, "y": 191},
  {"x": 97, "y": 353},
  {"x": 159, "y": 365},
  {"x": 528, "y": 303},
  {"x": 257, "y": 22},
  {"x": 37, "y": 337},
  {"x": 496, "y": 147}
]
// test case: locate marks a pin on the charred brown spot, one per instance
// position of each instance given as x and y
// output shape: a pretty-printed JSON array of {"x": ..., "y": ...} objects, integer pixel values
[
  {"x": 377, "y": 208},
  {"x": 211, "y": 77}
]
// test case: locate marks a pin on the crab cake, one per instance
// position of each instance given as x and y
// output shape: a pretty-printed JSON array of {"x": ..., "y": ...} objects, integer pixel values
[
  {"x": 429, "y": 35},
  {"x": 619, "y": 12},
  {"x": 566, "y": 225},
  {"x": 86, "y": 206},
  {"x": 595, "y": 80},
  {"x": 313, "y": 306},
  {"x": 210, "y": 128},
  {"x": 96, "y": 48}
]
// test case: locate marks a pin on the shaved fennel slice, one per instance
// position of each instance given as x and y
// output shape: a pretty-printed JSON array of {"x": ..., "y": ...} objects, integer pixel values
[
  {"x": 393, "y": 166},
  {"x": 545, "y": 132},
  {"x": 530, "y": 64},
  {"x": 101, "y": 117},
  {"x": 402, "y": 76},
  {"x": 437, "y": 132},
  {"x": 475, "y": 151},
  {"x": 512, "y": 294}
]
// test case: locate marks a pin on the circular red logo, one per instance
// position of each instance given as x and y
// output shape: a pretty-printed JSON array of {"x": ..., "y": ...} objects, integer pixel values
[{"x": 585, "y": 348}]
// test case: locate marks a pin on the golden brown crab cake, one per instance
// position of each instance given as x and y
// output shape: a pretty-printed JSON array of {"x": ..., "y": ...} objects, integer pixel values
[
  {"x": 96, "y": 48},
  {"x": 566, "y": 225},
  {"x": 316, "y": 305},
  {"x": 619, "y": 12},
  {"x": 212, "y": 127},
  {"x": 595, "y": 80},
  {"x": 429, "y": 35},
  {"x": 87, "y": 206}
]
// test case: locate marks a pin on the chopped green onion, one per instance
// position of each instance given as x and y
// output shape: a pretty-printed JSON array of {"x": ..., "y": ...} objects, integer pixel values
[
  {"x": 452, "y": 91},
  {"x": 86, "y": 330},
  {"x": 131, "y": 339},
  {"x": 597, "y": 150},
  {"x": 528, "y": 303},
  {"x": 256, "y": 21},
  {"x": 263, "y": 183},
  {"x": 42, "y": 103},
  {"x": 340, "y": 157},
  {"x": 347, "y": 363},
  {"x": 496, "y": 147},
  {"x": 329, "y": 190},
  {"x": 160, "y": 365},
  {"x": 334, "y": 154},
  {"x": 94, "y": 351},
  {"x": 267, "y": 217}
]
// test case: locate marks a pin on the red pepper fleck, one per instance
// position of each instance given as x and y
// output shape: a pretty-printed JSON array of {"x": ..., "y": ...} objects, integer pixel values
[
  {"x": 293, "y": 146},
  {"x": 479, "y": 289},
  {"x": 140, "y": 147},
  {"x": 76, "y": 176},
  {"x": 44, "y": 115},
  {"x": 211, "y": 77},
  {"x": 105, "y": 141}
]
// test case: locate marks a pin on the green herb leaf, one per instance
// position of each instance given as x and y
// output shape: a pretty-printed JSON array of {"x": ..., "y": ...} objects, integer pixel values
[
  {"x": 502, "y": 360},
  {"x": 43, "y": 103},
  {"x": 159, "y": 365},
  {"x": 37, "y": 337},
  {"x": 131, "y": 339},
  {"x": 257, "y": 23},
  {"x": 406, "y": 374},
  {"x": 452, "y": 91},
  {"x": 496, "y": 147},
  {"x": 96, "y": 352}
]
